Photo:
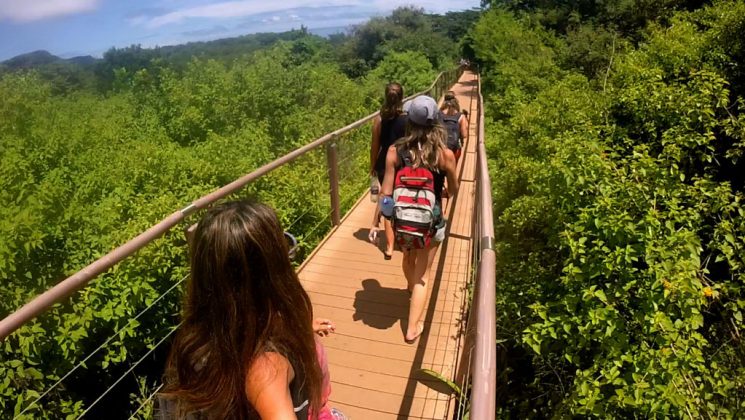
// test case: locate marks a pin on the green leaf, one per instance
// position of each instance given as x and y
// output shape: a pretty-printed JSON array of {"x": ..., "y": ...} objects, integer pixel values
[{"x": 438, "y": 376}]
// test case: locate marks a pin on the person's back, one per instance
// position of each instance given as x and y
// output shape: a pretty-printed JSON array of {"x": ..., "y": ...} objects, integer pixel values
[
  {"x": 421, "y": 157},
  {"x": 452, "y": 125},
  {"x": 388, "y": 127},
  {"x": 391, "y": 130},
  {"x": 455, "y": 123}
]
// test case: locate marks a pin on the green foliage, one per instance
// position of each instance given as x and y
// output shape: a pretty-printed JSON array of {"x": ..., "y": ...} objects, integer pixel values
[
  {"x": 406, "y": 29},
  {"x": 135, "y": 58},
  {"x": 516, "y": 62},
  {"x": 629, "y": 16},
  {"x": 411, "y": 69},
  {"x": 619, "y": 204},
  {"x": 591, "y": 49}
]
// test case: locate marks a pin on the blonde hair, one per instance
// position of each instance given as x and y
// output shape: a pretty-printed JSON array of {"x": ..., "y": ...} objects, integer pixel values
[{"x": 424, "y": 144}]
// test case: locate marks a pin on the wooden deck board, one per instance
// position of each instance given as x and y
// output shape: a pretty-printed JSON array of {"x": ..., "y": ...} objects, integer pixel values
[{"x": 374, "y": 373}]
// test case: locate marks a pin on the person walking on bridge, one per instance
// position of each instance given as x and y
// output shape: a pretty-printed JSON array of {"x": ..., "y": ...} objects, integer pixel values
[
  {"x": 456, "y": 123},
  {"x": 415, "y": 170},
  {"x": 388, "y": 127}
]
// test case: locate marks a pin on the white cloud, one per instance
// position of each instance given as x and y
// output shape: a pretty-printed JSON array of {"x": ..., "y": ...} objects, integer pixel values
[
  {"x": 430, "y": 6},
  {"x": 236, "y": 9},
  {"x": 31, "y": 10}
]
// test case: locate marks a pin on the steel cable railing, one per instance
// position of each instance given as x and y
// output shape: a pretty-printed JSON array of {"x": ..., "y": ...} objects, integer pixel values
[
  {"x": 99, "y": 348},
  {"x": 128, "y": 371}
]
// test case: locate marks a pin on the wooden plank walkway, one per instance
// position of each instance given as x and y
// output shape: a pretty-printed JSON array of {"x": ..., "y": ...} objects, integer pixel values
[{"x": 374, "y": 373}]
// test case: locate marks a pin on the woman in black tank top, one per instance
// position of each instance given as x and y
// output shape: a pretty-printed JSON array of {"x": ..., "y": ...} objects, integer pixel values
[{"x": 388, "y": 127}]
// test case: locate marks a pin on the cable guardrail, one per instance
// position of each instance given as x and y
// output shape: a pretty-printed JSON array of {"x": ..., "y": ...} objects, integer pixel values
[
  {"x": 99, "y": 348},
  {"x": 336, "y": 182},
  {"x": 131, "y": 368}
]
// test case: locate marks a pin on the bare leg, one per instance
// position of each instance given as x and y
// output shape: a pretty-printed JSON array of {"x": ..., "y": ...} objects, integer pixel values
[
  {"x": 373, "y": 235},
  {"x": 390, "y": 239},
  {"x": 418, "y": 294},
  {"x": 408, "y": 266},
  {"x": 434, "y": 246}
]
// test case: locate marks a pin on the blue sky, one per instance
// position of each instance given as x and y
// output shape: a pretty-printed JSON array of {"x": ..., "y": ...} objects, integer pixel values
[{"x": 80, "y": 27}]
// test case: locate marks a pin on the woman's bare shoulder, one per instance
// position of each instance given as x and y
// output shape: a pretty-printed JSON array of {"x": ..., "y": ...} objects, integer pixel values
[
  {"x": 269, "y": 368},
  {"x": 447, "y": 158},
  {"x": 267, "y": 385}
]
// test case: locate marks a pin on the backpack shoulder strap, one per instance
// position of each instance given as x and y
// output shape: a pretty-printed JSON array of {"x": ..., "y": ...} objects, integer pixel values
[{"x": 404, "y": 157}]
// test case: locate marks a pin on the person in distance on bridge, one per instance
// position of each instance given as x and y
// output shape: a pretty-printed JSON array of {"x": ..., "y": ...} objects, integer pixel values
[
  {"x": 388, "y": 127},
  {"x": 422, "y": 147},
  {"x": 456, "y": 123},
  {"x": 246, "y": 348}
]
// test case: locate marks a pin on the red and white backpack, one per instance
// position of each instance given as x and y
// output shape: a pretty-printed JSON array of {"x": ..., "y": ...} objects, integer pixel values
[{"x": 413, "y": 205}]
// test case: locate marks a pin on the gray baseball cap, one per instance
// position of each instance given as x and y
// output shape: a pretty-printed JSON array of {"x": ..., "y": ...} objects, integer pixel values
[{"x": 423, "y": 110}]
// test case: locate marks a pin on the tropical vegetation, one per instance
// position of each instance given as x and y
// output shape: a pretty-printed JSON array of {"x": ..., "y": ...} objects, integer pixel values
[{"x": 616, "y": 134}]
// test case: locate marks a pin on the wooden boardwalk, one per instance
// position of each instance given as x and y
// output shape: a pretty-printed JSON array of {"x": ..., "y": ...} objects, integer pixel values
[{"x": 374, "y": 373}]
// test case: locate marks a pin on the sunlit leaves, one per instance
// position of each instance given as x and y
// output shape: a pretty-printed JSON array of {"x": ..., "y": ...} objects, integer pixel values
[{"x": 618, "y": 205}]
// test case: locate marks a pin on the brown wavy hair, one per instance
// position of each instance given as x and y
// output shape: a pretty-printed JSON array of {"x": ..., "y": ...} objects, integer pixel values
[
  {"x": 450, "y": 105},
  {"x": 424, "y": 143},
  {"x": 243, "y": 299},
  {"x": 393, "y": 105}
]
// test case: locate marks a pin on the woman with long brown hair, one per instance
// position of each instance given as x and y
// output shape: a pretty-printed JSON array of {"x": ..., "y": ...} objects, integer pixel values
[
  {"x": 422, "y": 147},
  {"x": 388, "y": 127},
  {"x": 246, "y": 347}
]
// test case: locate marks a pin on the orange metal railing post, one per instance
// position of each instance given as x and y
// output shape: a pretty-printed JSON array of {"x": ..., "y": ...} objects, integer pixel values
[{"x": 332, "y": 160}]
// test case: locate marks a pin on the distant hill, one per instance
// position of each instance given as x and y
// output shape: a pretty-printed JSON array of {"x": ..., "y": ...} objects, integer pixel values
[
  {"x": 83, "y": 60},
  {"x": 219, "y": 48},
  {"x": 42, "y": 58},
  {"x": 32, "y": 59}
]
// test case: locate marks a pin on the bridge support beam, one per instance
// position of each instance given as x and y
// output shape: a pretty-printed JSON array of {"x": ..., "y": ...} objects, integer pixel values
[{"x": 332, "y": 159}]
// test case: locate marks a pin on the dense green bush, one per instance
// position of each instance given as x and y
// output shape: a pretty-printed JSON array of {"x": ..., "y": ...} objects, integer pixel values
[
  {"x": 619, "y": 218},
  {"x": 410, "y": 69}
]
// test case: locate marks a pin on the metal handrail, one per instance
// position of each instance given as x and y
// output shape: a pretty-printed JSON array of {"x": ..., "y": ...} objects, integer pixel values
[
  {"x": 484, "y": 363},
  {"x": 71, "y": 284}
]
